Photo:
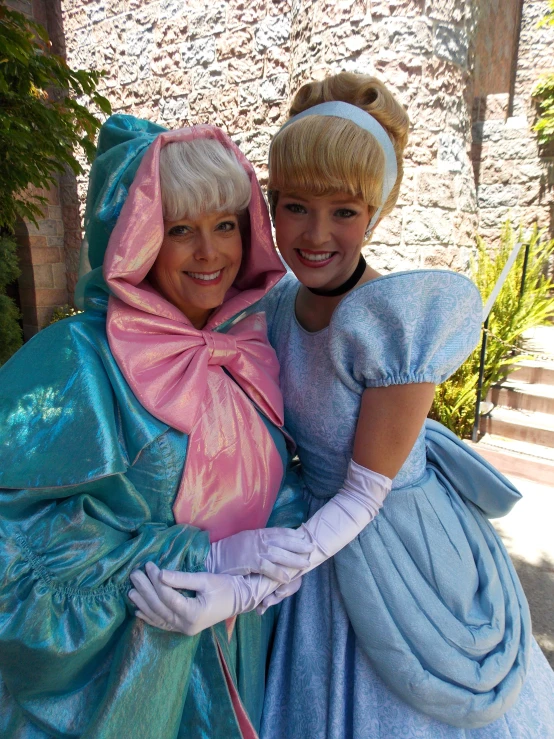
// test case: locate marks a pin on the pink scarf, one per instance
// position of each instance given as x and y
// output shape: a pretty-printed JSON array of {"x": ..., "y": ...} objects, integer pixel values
[{"x": 233, "y": 470}]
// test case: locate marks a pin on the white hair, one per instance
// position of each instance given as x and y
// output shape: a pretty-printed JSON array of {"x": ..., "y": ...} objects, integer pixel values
[{"x": 201, "y": 176}]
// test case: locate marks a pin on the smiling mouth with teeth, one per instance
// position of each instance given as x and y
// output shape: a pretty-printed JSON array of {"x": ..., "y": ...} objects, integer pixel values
[
  {"x": 205, "y": 276},
  {"x": 321, "y": 256}
]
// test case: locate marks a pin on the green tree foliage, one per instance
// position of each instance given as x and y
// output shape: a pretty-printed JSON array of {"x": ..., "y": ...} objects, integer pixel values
[
  {"x": 41, "y": 121},
  {"x": 543, "y": 92},
  {"x": 42, "y": 125},
  {"x": 10, "y": 332},
  {"x": 63, "y": 311},
  {"x": 511, "y": 316}
]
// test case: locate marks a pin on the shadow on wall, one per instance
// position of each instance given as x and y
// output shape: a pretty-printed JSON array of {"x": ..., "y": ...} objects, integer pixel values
[{"x": 23, "y": 292}]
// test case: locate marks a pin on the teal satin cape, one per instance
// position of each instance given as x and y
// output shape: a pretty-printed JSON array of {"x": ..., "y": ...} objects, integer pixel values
[{"x": 87, "y": 482}]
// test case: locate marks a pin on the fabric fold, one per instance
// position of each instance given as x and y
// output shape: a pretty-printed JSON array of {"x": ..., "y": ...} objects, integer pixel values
[{"x": 438, "y": 608}]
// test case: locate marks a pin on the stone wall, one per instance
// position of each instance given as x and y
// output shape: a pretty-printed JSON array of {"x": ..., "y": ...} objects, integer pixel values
[
  {"x": 515, "y": 177},
  {"x": 237, "y": 64}
]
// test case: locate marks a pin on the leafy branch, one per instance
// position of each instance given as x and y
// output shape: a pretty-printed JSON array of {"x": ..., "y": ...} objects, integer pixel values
[
  {"x": 543, "y": 92},
  {"x": 42, "y": 123},
  {"x": 512, "y": 315}
]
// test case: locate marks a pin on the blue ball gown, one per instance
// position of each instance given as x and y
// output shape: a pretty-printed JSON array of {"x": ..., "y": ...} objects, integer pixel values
[{"x": 419, "y": 627}]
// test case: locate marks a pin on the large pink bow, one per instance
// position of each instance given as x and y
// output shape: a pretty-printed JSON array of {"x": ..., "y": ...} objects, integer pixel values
[{"x": 167, "y": 363}]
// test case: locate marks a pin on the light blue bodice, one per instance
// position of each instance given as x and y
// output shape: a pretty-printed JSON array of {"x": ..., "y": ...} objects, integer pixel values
[
  {"x": 377, "y": 337},
  {"x": 419, "y": 627}
]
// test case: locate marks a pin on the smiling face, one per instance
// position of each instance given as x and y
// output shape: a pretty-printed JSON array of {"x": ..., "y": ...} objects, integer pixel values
[
  {"x": 320, "y": 237},
  {"x": 198, "y": 262}
]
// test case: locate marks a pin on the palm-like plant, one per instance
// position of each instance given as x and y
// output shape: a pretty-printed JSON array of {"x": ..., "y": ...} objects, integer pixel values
[{"x": 514, "y": 312}]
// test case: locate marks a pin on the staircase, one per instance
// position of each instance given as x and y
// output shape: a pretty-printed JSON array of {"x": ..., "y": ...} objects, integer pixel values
[{"x": 517, "y": 435}]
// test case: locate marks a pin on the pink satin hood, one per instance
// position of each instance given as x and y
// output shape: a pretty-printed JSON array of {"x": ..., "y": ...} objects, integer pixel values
[{"x": 233, "y": 469}]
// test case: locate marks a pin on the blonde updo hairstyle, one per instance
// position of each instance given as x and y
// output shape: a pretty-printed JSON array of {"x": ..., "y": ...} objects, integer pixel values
[{"x": 323, "y": 154}]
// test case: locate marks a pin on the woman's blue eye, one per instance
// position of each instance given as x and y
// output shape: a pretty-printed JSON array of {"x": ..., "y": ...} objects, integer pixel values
[
  {"x": 226, "y": 226},
  {"x": 178, "y": 230},
  {"x": 295, "y": 208}
]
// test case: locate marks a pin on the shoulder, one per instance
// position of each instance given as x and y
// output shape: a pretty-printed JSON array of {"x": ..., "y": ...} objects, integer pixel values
[
  {"x": 413, "y": 295},
  {"x": 414, "y": 326},
  {"x": 55, "y": 351},
  {"x": 66, "y": 413},
  {"x": 275, "y": 303}
]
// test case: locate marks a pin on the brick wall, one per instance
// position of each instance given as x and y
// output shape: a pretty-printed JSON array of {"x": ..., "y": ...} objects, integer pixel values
[{"x": 42, "y": 285}]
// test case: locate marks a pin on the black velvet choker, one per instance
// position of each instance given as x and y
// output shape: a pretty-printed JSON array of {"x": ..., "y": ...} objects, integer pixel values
[{"x": 346, "y": 286}]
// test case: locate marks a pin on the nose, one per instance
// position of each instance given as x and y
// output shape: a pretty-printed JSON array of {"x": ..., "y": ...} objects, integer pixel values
[
  {"x": 317, "y": 231},
  {"x": 205, "y": 246}
]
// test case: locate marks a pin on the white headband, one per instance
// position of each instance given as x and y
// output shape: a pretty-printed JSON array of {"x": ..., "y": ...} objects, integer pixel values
[{"x": 364, "y": 120}]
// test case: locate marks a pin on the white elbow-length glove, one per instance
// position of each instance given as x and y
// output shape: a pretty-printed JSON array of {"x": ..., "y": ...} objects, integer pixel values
[
  {"x": 276, "y": 553},
  {"x": 219, "y": 597},
  {"x": 341, "y": 519},
  {"x": 344, "y": 516}
]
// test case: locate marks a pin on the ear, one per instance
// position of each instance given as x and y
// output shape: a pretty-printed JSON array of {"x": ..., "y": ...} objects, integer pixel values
[{"x": 377, "y": 222}]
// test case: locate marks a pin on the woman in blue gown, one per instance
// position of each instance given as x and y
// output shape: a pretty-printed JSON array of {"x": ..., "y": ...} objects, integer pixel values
[
  {"x": 419, "y": 626},
  {"x": 99, "y": 414}
]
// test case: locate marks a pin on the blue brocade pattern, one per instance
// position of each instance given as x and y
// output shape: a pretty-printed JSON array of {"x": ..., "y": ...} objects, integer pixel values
[{"x": 419, "y": 628}]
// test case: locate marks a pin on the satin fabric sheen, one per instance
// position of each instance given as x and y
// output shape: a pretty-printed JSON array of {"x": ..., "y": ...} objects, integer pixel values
[
  {"x": 225, "y": 488},
  {"x": 176, "y": 370},
  {"x": 88, "y": 480},
  {"x": 74, "y": 662}
]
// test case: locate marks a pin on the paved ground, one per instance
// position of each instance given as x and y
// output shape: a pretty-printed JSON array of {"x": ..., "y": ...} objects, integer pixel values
[{"x": 528, "y": 533}]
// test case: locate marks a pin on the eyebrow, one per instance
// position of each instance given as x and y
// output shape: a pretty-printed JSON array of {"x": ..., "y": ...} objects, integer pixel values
[{"x": 343, "y": 201}]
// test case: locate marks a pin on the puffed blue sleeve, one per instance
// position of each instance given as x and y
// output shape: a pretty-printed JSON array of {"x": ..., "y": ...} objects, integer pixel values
[
  {"x": 271, "y": 302},
  {"x": 406, "y": 327}
]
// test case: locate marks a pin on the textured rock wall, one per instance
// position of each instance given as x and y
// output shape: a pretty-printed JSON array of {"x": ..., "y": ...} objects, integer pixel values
[
  {"x": 237, "y": 64},
  {"x": 422, "y": 51},
  {"x": 515, "y": 177}
]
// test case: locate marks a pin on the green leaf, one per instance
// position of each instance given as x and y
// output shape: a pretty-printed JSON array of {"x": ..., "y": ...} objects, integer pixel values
[{"x": 512, "y": 315}]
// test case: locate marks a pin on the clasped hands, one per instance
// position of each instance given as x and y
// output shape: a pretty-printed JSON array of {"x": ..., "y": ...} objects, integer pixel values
[
  {"x": 250, "y": 569},
  {"x": 258, "y": 567}
]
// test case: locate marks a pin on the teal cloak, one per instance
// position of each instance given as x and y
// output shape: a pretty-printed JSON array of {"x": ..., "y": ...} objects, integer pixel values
[{"x": 87, "y": 482}]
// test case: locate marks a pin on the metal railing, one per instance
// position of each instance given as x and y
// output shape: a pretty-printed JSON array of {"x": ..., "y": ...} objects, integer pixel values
[{"x": 486, "y": 315}]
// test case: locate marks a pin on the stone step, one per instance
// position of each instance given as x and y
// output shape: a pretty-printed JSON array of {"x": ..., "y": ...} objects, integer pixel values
[
  {"x": 523, "y": 396},
  {"x": 529, "y": 426},
  {"x": 517, "y": 458},
  {"x": 540, "y": 341},
  {"x": 514, "y": 446},
  {"x": 533, "y": 372}
]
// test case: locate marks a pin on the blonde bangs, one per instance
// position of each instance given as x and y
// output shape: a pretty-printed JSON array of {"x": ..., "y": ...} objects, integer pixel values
[{"x": 323, "y": 155}]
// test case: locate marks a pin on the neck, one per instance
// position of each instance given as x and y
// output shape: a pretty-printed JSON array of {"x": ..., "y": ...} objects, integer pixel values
[
  {"x": 314, "y": 312},
  {"x": 200, "y": 319},
  {"x": 345, "y": 286}
]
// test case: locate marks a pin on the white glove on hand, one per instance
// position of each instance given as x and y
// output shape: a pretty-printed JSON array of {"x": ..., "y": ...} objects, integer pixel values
[
  {"x": 218, "y": 597},
  {"x": 282, "y": 592},
  {"x": 340, "y": 520},
  {"x": 265, "y": 551}
]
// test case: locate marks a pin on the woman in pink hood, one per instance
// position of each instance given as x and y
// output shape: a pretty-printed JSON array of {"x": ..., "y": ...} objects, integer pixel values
[{"x": 148, "y": 429}]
